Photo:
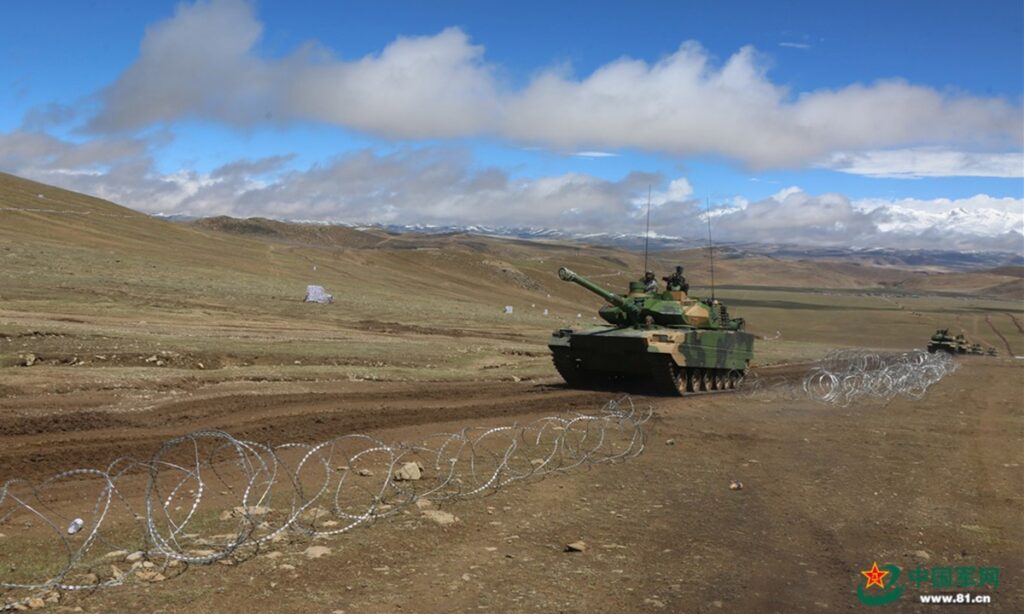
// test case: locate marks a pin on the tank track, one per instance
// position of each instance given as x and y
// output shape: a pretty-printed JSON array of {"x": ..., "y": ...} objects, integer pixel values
[
  {"x": 668, "y": 378},
  {"x": 688, "y": 381}
]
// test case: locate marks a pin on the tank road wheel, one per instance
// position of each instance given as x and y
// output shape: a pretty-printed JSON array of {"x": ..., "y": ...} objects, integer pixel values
[
  {"x": 736, "y": 377},
  {"x": 718, "y": 379},
  {"x": 701, "y": 377},
  {"x": 571, "y": 370},
  {"x": 688, "y": 373},
  {"x": 669, "y": 378}
]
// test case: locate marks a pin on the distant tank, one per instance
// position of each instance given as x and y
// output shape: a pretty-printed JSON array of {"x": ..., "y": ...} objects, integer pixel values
[
  {"x": 942, "y": 341},
  {"x": 684, "y": 344}
]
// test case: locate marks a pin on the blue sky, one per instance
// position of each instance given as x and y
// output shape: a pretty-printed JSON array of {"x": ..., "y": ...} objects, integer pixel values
[{"x": 553, "y": 114}]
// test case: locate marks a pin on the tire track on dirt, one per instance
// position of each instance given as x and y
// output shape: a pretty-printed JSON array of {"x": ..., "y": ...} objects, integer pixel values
[
  {"x": 1020, "y": 329},
  {"x": 988, "y": 320}
]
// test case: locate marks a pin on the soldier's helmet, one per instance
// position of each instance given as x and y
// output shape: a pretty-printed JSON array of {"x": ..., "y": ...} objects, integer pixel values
[
  {"x": 649, "y": 275},
  {"x": 679, "y": 270}
]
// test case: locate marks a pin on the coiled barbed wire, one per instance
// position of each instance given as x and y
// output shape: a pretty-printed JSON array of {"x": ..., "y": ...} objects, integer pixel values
[
  {"x": 847, "y": 375},
  {"x": 207, "y": 496}
]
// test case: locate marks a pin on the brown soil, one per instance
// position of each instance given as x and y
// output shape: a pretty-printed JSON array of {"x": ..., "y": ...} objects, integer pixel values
[{"x": 826, "y": 492}]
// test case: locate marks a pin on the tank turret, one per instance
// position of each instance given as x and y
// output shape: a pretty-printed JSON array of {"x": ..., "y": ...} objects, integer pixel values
[
  {"x": 669, "y": 308},
  {"x": 686, "y": 344}
]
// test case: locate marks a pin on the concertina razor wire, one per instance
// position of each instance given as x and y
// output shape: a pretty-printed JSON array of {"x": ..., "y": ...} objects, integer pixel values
[
  {"x": 845, "y": 376},
  {"x": 206, "y": 496}
]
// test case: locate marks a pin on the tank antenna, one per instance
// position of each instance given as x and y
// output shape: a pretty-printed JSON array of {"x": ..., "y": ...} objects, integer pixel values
[
  {"x": 711, "y": 250},
  {"x": 647, "y": 235}
]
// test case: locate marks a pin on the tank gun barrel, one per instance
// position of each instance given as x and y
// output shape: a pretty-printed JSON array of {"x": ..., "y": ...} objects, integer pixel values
[{"x": 629, "y": 308}]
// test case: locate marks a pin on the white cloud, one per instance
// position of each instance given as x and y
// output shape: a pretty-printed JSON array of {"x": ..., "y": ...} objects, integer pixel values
[
  {"x": 678, "y": 191},
  {"x": 794, "y": 45},
  {"x": 203, "y": 63},
  {"x": 929, "y": 162},
  {"x": 595, "y": 154}
]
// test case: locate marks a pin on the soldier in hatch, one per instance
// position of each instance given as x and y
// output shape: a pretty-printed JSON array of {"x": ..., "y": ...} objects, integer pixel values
[
  {"x": 650, "y": 282},
  {"x": 676, "y": 282}
]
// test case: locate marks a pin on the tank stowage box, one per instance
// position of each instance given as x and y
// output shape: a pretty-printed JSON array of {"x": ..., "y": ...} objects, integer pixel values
[{"x": 685, "y": 344}]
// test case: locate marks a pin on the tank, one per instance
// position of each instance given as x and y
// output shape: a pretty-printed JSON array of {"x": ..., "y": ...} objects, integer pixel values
[
  {"x": 991, "y": 351},
  {"x": 942, "y": 341},
  {"x": 685, "y": 344}
]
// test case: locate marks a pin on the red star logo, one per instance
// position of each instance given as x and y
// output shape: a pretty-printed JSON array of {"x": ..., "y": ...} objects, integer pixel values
[{"x": 875, "y": 576}]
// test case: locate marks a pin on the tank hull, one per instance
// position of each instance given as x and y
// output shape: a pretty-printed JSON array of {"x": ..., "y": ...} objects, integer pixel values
[{"x": 680, "y": 359}]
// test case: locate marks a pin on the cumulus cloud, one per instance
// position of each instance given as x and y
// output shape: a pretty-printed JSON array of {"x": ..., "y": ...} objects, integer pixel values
[
  {"x": 204, "y": 63},
  {"x": 917, "y": 163}
]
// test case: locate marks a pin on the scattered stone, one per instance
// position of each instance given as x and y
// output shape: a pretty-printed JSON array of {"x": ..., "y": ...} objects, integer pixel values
[
  {"x": 578, "y": 546},
  {"x": 921, "y": 554},
  {"x": 135, "y": 557},
  {"x": 286, "y": 567},
  {"x": 30, "y": 359},
  {"x": 536, "y": 462},
  {"x": 160, "y": 363},
  {"x": 152, "y": 358},
  {"x": 87, "y": 579},
  {"x": 655, "y": 602},
  {"x": 425, "y": 504},
  {"x": 276, "y": 554},
  {"x": 36, "y": 603},
  {"x": 116, "y": 554},
  {"x": 408, "y": 472},
  {"x": 717, "y": 603},
  {"x": 150, "y": 576},
  {"x": 366, "y": 473},
  {"x": 735, "y": 485},
  {"x": 466, "y": 577},
  {"x": 315, "y": 552},
  {"x": 670, "y": 442},
  {"x": 252, "y": 510},
  {"x": 200, "y": 365},
  {"x": 116, "y": 572},
  {"x": 445, "y": 519}
]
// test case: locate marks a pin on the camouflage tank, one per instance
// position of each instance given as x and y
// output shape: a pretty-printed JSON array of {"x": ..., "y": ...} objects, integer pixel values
[
  {"x": 991, "y": 351},
  {"x": 976, "y": 349},
  {"x": 942, "y": 341},
  {"x": 685, "y": 344}
]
